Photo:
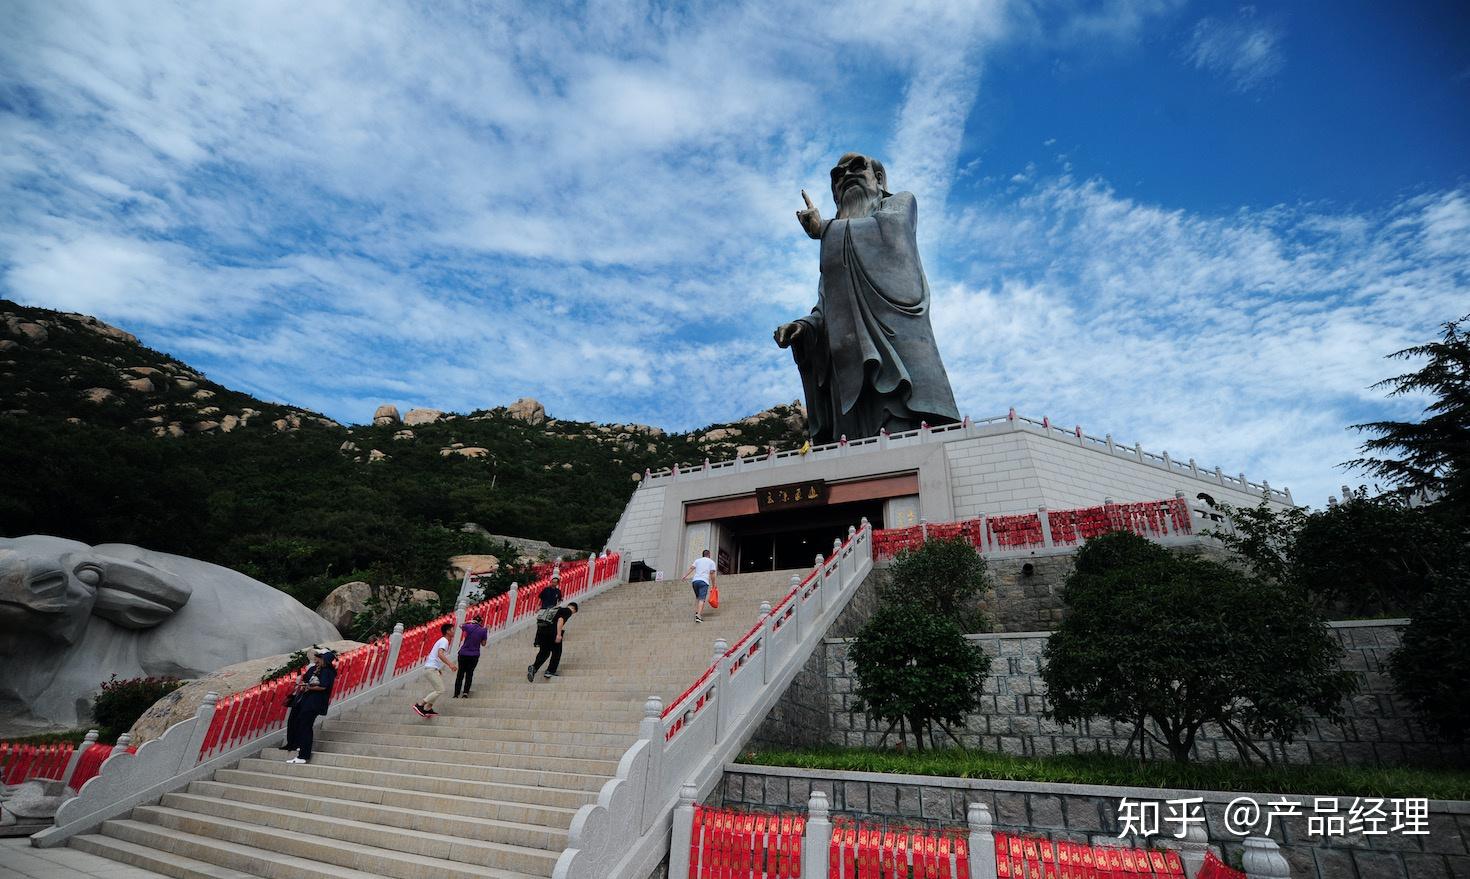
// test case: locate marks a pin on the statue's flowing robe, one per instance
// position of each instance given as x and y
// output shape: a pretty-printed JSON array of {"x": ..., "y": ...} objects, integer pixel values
[{"x": 867, "y": 355}]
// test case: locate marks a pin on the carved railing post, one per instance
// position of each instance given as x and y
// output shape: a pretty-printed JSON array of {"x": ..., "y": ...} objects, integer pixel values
[
  {"x": 651, "y": 730},
  {"x": 982, "y": 841},
  {"x": 821, "y": 568},
  {"x": 764, "y": 621},
  {"x": 722, "y": 687},
  {"x": 202, "y": 720},
  {"x": 814, "y": 854},
  {"x": 681, "y": 839},
  {"x": 1193, "y": 847},
  {"x": 510, "y": 612},
  {"x": 1263, "y": 859},
  {"x": 460, "y": 609},
  {"x": 76, "y": 756},
  {"x": 1045, "y": 527},
  {"x": 395, "y": 644}
]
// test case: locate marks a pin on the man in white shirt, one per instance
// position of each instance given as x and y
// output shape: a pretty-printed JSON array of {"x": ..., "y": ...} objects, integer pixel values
[
  {"x": 432, "y": 674},
  {"x": 703, "y": 572}
]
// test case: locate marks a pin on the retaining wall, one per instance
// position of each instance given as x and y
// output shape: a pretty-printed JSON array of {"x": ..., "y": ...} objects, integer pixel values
[{"x": 1380, "y": 729}]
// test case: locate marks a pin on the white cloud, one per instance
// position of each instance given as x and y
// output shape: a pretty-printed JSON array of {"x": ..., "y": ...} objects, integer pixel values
[
  {"x": 1247, "y": 340},
  {"x": 340, "y": 205},
  {"x": 1245, "y": 50}
]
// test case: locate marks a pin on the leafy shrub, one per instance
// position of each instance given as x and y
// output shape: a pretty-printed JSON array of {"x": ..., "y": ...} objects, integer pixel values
[
  {"x": 1168, "y": 644},
  {"x": 915, "y": 668},
  {"x": 121, "y": 703},
  {"x": 1431, "y": 668},
  {"x": 943, "y": 576}
]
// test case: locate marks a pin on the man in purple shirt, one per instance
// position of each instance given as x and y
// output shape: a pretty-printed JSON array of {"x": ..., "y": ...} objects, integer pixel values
[{"x": 475, "y": 636}]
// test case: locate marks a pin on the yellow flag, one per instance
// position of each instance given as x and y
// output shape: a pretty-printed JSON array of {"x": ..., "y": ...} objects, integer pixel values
[{"x": 806, "y": 447}]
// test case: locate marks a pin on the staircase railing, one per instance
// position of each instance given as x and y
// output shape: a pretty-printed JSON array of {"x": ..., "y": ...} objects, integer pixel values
[
  {"x": 626, "y": 832},
  {"x": 1170, "y": 520},
  {"x": 224, "y": 730}
]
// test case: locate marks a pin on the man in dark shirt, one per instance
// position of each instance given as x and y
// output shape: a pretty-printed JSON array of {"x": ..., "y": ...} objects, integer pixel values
[
  {"x": 550, "y": 625},
  {"x": 313, "y": 692},
  {"x": 551, "y": 595}
]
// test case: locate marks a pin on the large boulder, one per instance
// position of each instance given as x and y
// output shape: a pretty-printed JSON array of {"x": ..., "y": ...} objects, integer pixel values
[
  {"x": 528, "y": 410},
  {"x": 416, "y": 417},
  {"x": 184, "y": 702},
  {"x": 720, "y": 434},
  {"x": 351, "y": 598},
  {"x": 459, "y": 565},
  {"x": 386, "y": 415},
  {"x": 72, "y": 615}
]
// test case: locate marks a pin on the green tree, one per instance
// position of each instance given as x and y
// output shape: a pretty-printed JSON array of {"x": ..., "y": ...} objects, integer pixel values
[
  {"x": 942, "y": 576},
  {"x": 1168, "y": 644},
  {"x": 1432, "y": 455},
  {"x": 1366, "y": 555},
  {"x": 1431, "y": 667},
  {"x": 916, "y": 669}
]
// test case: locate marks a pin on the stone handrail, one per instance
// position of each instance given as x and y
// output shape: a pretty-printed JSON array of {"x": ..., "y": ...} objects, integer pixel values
[
  {"x": 194, "y": 748},
  {"x": 626, "y": 832},
  {"x": 968, "y": 428},
  {"x": 973, "y": 851}
]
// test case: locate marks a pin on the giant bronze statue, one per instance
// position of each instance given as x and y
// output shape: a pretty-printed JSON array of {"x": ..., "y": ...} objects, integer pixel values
[{"x": 866, "y": 352}]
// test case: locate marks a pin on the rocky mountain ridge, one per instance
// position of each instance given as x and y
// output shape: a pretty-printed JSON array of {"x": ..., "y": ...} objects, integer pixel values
[
  {"x": 291, "y": 497},
  {"x": 76, "y": 367}
]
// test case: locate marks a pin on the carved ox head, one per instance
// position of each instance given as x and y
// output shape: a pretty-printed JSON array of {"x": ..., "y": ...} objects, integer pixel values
[{"x": 50, "y": 588}]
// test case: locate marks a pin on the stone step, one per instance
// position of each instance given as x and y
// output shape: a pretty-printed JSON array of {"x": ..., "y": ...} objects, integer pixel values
[
  {"x": 543, "y": 836},
  {"x": 223, "y": 818},
  {"x": 514, "y": 793},
  {"x": 449, "y": 804},
  {"x": 149, "y": 858},
  {"x": 587, "y": 734},
  {"x": 573, "y": 765},
  {"x": 618, "y": 712},
  {"x": 454, "y": 716},
  {"x": 468, "y": 771},
  {"x": 593, "y": 752},
  {"x": 275, "y": 855}
]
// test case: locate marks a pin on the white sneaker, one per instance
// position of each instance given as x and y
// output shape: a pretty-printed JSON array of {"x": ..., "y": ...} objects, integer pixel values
[{"x": 297, "y": 760}]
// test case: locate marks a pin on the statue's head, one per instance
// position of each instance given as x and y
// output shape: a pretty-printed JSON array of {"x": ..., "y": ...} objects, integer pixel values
[
  {"x": 51, "y": 587},
  {"x": 857, "y": 177}
]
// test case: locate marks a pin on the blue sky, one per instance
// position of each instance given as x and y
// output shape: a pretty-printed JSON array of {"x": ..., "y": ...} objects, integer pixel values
[{"x": 1197, "y": 225}]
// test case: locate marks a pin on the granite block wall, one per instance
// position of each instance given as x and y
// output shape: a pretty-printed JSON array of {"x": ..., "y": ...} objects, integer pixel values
[
  {"x": 1380, "y": 728},
  {"x": 1090, "y": 813}
]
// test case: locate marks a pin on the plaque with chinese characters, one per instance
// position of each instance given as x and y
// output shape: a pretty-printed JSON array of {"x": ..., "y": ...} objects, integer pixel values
[{"x": 798, "y": 494}]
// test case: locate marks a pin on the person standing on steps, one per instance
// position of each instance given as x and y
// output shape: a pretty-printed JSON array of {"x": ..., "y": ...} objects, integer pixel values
[
  {"x": 703, "y": 572},
  {"x": 313, "y": 692},
  {"x": 550, "y": 627},
  {"x": 551, "y": 595},
  {"x": 475, "y": 636},
  {"x": 432, "y": 674}
]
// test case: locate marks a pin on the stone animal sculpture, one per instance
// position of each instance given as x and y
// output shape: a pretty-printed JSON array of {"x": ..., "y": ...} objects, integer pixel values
[
  {"x": 866, "y": 352},
  {"x": 73, "y": 615}
]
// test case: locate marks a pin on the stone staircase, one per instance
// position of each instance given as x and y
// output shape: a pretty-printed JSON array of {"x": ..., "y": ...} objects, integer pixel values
[{"x": 486, "y": 789}]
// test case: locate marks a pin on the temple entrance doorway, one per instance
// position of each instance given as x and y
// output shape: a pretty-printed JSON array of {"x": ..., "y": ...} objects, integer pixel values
[{"x": 781, "y": 539}]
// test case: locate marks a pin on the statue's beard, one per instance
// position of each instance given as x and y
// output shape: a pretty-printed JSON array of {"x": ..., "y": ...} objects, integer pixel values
[{"x": 857, "y": 202}]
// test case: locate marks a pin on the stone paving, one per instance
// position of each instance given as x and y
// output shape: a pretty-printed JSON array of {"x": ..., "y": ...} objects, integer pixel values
[{"x": 18, "y": 860}]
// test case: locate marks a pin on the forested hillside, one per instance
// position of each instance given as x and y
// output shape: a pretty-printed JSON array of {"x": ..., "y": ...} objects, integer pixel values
[{"x": 106, "y": 441}]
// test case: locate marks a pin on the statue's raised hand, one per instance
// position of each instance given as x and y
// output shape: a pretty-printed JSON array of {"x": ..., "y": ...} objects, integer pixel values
[
  {"x": 786, "y": 334},
  {"x": 810, "y": 219}
]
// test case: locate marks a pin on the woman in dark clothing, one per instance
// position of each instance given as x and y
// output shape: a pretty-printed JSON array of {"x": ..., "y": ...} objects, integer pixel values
[
  {"x": 313, "y": 692},
  {"x": 475, "y": 636}
]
